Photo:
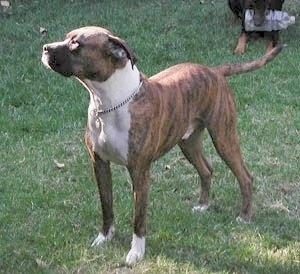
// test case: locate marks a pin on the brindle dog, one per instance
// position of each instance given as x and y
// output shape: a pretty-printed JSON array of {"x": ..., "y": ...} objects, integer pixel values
[
  {"x": 133, "y": 119},
  {"x": 260, "y": 7}
]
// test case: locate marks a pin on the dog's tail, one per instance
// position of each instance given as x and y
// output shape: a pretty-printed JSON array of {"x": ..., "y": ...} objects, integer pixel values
[{"x": 232, "y": 69}]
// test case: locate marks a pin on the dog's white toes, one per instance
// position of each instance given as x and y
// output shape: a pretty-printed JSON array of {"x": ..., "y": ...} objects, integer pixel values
[
  {"x": 101, "y": 238},
  {"x": 137, "y": 250},
  {"x": 200, "y": 208},
  {"x": 133, "y": 257}
]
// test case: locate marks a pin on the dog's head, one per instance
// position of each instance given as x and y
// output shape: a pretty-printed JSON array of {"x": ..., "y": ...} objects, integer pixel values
[{"x": 88, "y": 53}]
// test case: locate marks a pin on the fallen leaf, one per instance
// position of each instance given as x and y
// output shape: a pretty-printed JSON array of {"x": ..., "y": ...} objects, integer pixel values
[
  {"x": 4, "y": 3},
  {"x": 41, "y": 263},
  {"x": 43, "y": 31},
  {"x": 58, "y": 164}
]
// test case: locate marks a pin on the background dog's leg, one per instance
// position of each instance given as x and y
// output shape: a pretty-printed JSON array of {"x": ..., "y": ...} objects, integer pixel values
[
  {"x": 140, "y": 183},
  {"x": 104, "y": 182},
  {"x": 227, "y": 145},
  {"x": 272, "y": 38},
  {"x": 192, "y": 149},
  {"x": 241, "y": 45}
]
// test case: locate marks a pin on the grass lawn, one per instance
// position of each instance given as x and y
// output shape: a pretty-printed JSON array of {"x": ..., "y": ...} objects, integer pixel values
[{"x": 49, "y": 216}]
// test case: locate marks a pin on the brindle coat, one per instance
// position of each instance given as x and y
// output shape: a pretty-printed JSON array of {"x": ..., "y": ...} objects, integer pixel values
[
  {"x": 238, "y": 7},
  {"x": 171, "y": 107}
]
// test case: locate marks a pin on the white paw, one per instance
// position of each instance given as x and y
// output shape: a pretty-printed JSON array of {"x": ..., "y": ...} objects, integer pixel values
[
  {"x": 200, "y": 208},
  {"x": 101, "y": 238},
  {"x": 137, "y": 250}
]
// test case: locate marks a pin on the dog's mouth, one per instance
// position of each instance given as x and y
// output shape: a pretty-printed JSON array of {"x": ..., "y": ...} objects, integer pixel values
[
  {"x": 45, "y": 59},
  {"x": 50, "y": 61}
]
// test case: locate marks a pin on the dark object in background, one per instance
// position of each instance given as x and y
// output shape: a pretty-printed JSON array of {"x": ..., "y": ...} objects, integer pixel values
[{"x": 238, "y": 7}]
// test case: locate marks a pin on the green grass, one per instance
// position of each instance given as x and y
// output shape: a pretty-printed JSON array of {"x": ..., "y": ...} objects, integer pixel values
[{"x": 49, "y": 216}]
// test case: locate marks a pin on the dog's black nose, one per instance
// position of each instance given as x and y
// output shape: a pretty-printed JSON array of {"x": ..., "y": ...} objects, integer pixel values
[{"x": 45, "y": 48}]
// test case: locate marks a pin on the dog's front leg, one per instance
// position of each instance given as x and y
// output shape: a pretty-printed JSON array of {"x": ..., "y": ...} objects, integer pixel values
[
  {"x": 104, "y": 181},
  {"x": 140, "y": 183},
  {"x": 241, "y": 44}
]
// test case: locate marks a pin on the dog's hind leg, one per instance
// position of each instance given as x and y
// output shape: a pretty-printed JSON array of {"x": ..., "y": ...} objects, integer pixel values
[
  {"x": 273, "y": 38},
  {"x": 226, "y": 141},
  {"x": 192, "y": 149}
]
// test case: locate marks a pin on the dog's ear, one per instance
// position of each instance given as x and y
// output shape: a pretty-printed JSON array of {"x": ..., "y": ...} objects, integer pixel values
[{"x": 119, "y": 49}]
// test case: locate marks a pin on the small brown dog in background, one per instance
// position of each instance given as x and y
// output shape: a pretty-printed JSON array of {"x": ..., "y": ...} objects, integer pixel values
[{"x": 238, "y": 7}]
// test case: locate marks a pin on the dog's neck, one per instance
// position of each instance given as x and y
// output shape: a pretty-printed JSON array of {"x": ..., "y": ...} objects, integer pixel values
[{"x": 116, "y": 89}]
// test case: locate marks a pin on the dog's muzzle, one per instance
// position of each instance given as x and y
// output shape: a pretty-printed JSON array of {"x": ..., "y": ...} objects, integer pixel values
[{"x": 56, "y": 56}]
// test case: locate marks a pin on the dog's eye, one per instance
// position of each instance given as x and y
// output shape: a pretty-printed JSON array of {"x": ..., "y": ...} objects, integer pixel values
[{"x": 73, "y": 45}]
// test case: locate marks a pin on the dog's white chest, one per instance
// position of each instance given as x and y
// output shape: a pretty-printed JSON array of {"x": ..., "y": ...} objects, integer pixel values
[
  {"x": 109, "y": 131},
  {"x": 109, "y": 134}
]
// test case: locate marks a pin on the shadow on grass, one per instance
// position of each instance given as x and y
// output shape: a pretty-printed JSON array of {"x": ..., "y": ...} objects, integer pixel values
[{"x": 268, "y": 245}]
